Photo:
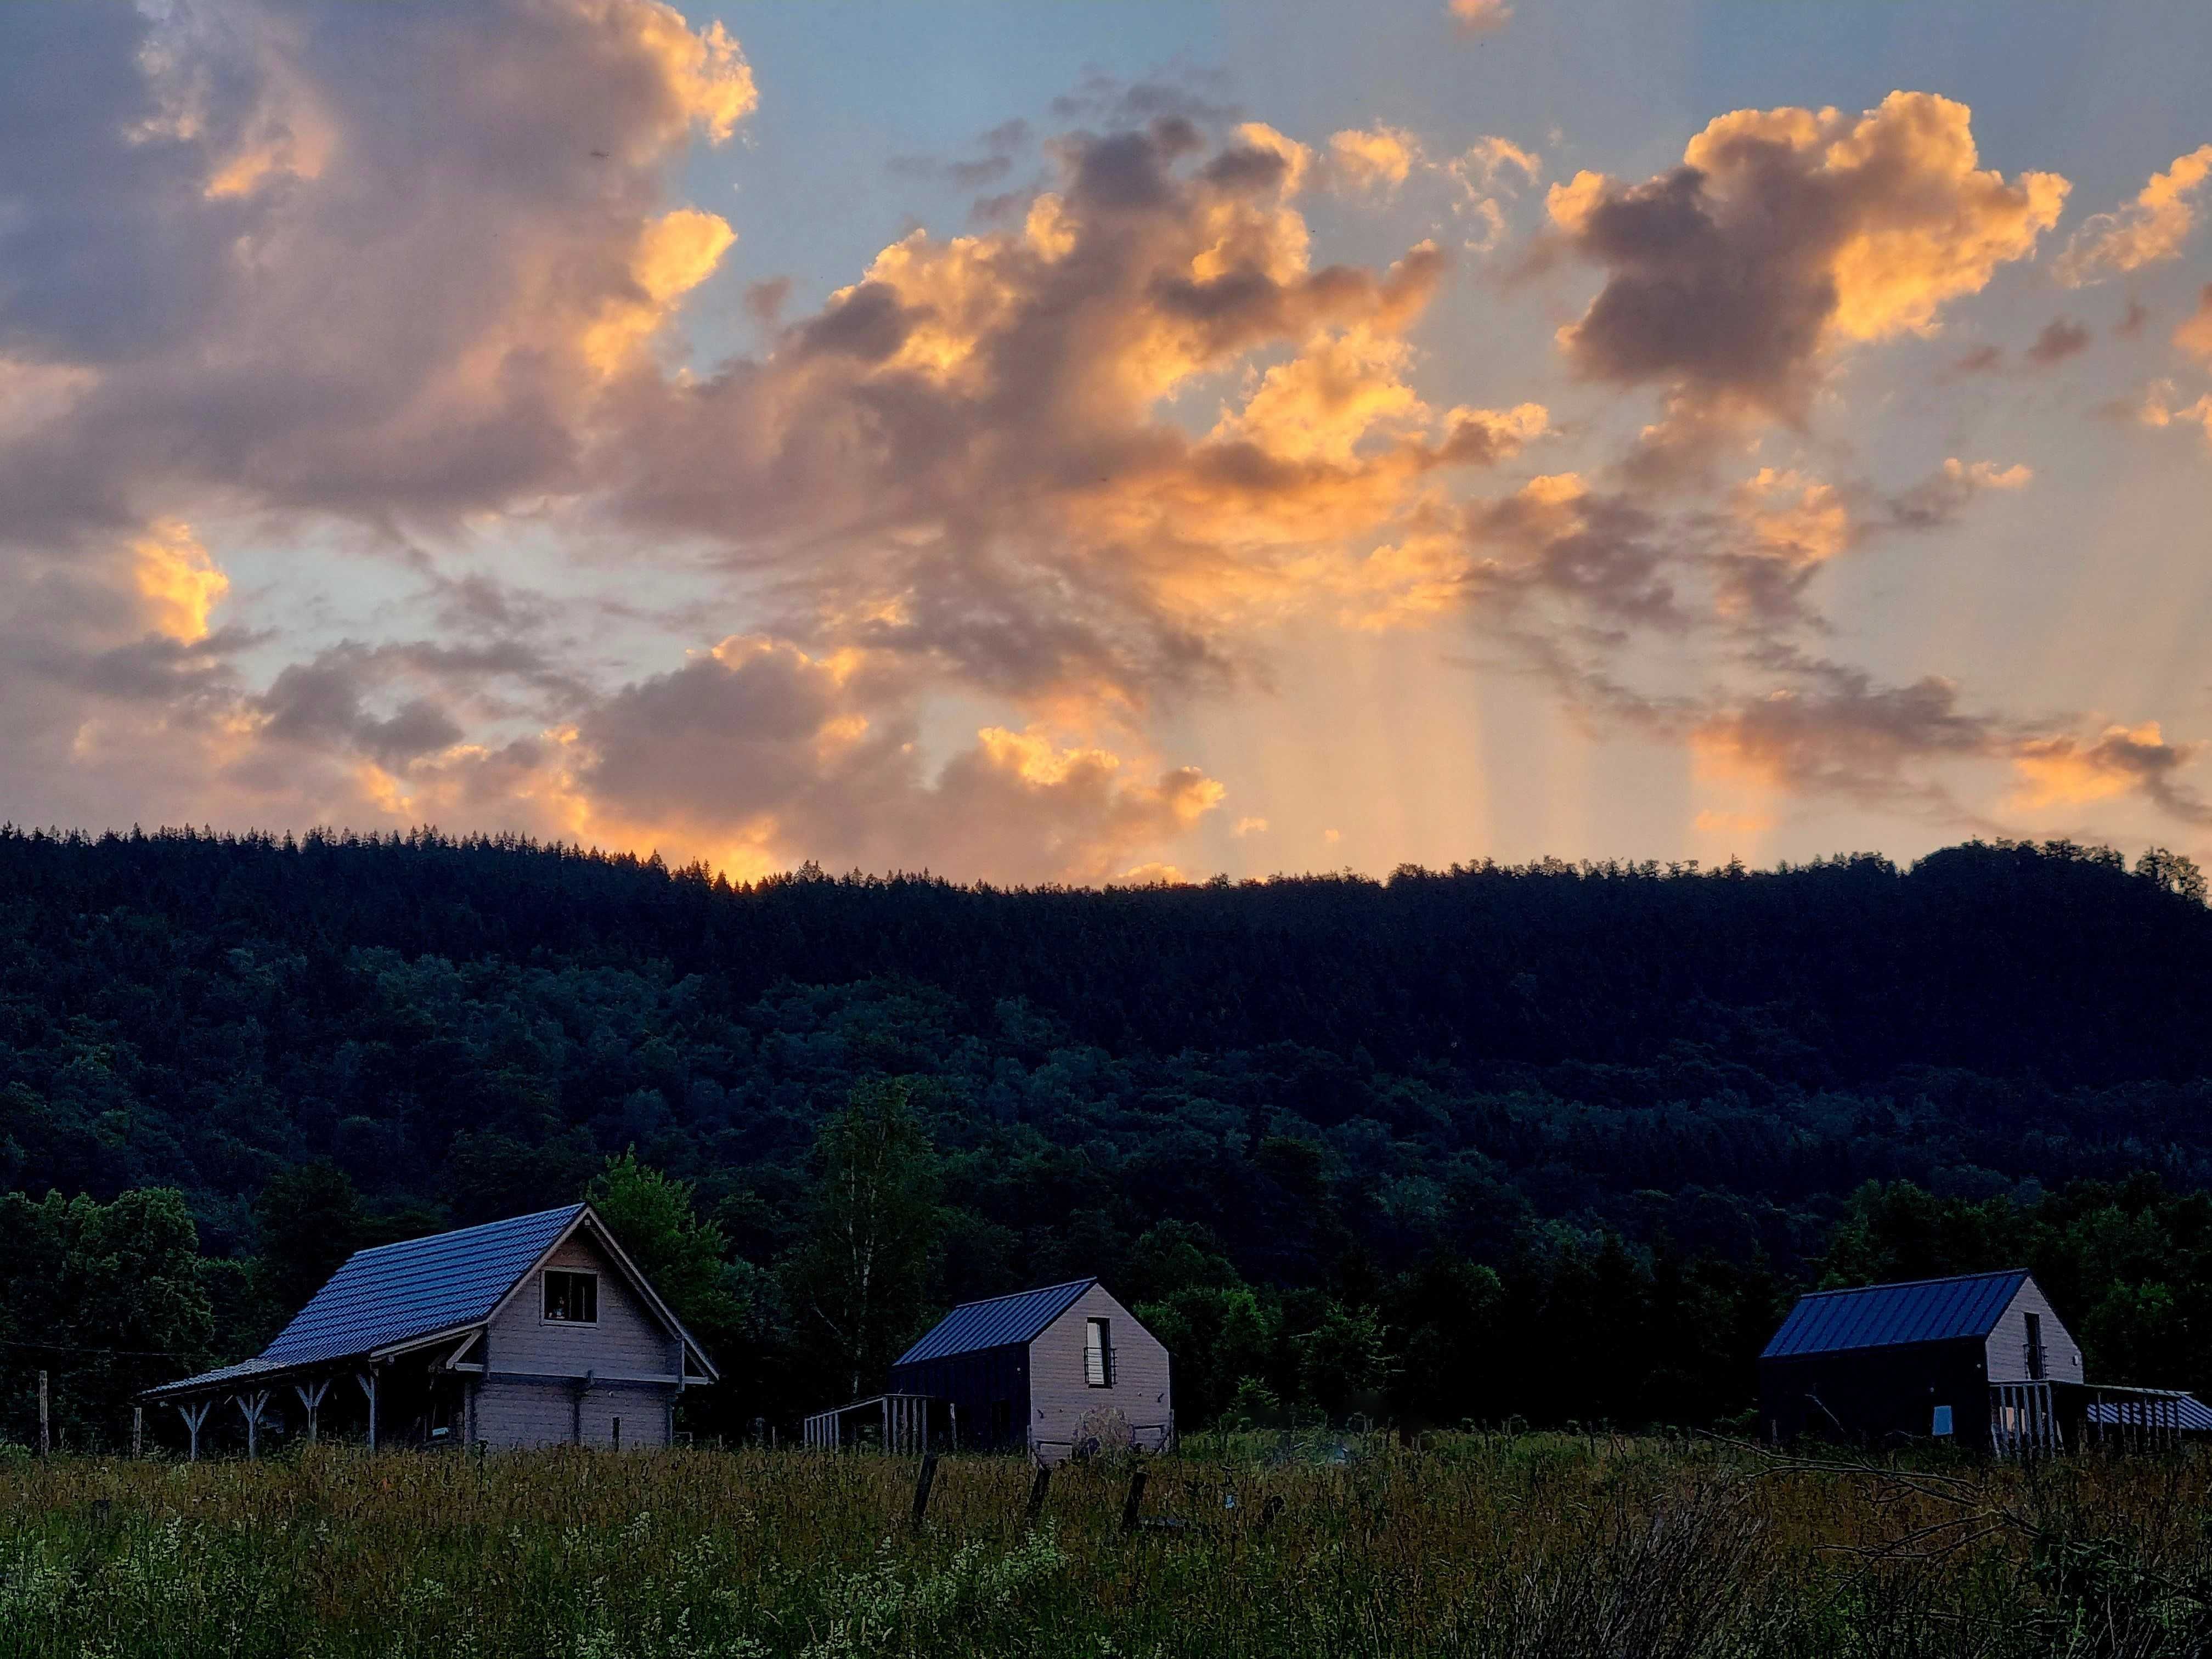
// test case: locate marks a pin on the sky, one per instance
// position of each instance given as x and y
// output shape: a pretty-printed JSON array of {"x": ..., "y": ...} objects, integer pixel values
[{"x": 1109, "y": 442}]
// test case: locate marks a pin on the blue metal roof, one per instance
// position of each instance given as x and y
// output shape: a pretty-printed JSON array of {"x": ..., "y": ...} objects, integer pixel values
[
  {"x": 1886, "y": 1315},
  {"x": 2184, "y": 1411},
  {"x": 414, "y": 1288},
  {"x": 999, "y": 1322}
]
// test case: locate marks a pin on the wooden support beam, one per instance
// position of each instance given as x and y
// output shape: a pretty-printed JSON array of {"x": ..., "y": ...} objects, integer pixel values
[
  {"x": 311, "y": 1396},
  {"x": 138, "y": 1431},
  {"x": 45, "y": 1429},
  {"x": 194, "y": 1415},
  {"x": 367, "y": 1379},
  {"x": 250, "y": 1404}
]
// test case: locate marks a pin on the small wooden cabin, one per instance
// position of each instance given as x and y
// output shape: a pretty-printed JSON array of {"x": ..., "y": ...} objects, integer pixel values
[
  {"x": 530, "y": 1332},
  {"x": 1982, "y": 1359},
  {"x": 1051, "y": 1372}
]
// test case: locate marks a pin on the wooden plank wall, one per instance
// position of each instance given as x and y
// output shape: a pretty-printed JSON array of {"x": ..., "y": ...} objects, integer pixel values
[
  {"x": 628, "y": 1340},
  {"x": 2008, "y": 1341},
  {"x": 1060, "y": 1398}
]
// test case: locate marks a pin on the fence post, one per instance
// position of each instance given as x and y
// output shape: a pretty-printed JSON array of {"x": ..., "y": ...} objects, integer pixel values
[
  {"x": 1037, "y": 1486},
  {"x": 1133, "y": 1502},
  {"x": 922, "y": 1482},
  {"x": 46, "y": 1427},
  {"x": 138, "y": 1431}
]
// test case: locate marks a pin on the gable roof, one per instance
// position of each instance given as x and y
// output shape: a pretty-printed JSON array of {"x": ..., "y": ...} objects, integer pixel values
[
  {"x": 421, "y": 1289},
  {"x": 999, "y": 1322},
  {"x": 1886, "y": 1316}
]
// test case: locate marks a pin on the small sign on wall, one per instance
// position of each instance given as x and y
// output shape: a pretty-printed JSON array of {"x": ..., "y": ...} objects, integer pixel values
[{"x": 1942, "y": 1424}]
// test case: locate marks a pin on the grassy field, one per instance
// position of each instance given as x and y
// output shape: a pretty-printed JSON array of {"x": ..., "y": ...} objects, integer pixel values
[{"x": 1508, "y": 1546}]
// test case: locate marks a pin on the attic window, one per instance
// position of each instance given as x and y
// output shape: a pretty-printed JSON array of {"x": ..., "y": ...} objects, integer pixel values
[
  {"x": 1098, "y": 1353},
  {"x": 571, "y": 1298}
]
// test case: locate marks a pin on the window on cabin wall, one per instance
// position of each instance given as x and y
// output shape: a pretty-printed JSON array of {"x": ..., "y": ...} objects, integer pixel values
[
  {"x": 571, "y": 1298},
  {"x": 1098, "y": 1353}
]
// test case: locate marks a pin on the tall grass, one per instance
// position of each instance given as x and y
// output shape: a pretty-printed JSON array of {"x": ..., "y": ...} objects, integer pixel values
[{"x": 1531, "y": 1547}]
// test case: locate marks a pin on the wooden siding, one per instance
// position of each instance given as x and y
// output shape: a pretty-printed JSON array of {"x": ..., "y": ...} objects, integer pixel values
[
  {"x": 1060, "y": 1398},
  {"x": 2008, "y": 1341},
  {"x": 628, "y": 1340},
  {"x": 511, "y": 1414},
  {"x": 537, "y": 1408}
]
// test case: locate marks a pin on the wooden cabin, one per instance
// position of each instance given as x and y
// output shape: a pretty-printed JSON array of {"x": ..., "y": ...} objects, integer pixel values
[
  {"x": 1051, "y": 1372},
  {"x": 531, "y": 1332},
  {"x": 1981, "y": 1359}
]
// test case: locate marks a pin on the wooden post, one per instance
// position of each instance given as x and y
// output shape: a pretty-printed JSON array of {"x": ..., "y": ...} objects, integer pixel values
[
  {"x": 249, "y": 1405},
  {"x": 194, "y": 1416},
  {"x": 312, "y": 1398},
  {"x": 1134, "y": 1502},
  {"x": 1038, "y": 1483},
  {"x": 46, "y": 1427},
  {"x": 922, "y": 1482},
  {"x": 368, "y": 1380},
  {"x": 138, "y": 1431},
  {"x": 617, "y": 1434}
]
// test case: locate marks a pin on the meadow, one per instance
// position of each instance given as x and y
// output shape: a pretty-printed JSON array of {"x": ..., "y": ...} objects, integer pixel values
[{"x": 1529, "y": 1545}]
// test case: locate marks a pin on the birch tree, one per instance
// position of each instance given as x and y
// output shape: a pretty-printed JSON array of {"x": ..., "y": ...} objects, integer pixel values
[{"x": 861, "y": 1276}]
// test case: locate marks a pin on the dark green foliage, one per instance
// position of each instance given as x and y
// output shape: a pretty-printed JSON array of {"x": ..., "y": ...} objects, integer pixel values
[
  {"x": 1602, "y": 1118},
  {"x": 860, "y": 1279},
  {"x": 108, "y": 1297}
]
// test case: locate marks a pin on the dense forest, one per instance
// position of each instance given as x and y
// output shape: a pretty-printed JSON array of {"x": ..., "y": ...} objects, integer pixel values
[{"x": 1346, "y": 1143}]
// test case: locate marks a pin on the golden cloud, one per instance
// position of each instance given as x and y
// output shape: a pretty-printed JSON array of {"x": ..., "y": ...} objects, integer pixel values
[
  {"x": 2195, "y": 334},
  {"x": 179, "y": 584},
  {"x": 2061, "y": 771},
  {"x": 1786, "y": 234},
  {"x": 1378, "y": 159},
  {"x": 2150, "y": 228}
]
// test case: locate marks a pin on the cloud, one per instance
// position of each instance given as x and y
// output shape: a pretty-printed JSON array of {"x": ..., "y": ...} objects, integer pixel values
[
  {"x": 1786, "y": 236},
  {"x": 2150, "y": 228},
  {"x": 820, "y": 758},
  {"x": 1480, "y": 16},
  {"x": 1249, "y": 827},
  {"x": 1489, "y": 174},
  {"x": 2161, "y": 408},
  {"x": 968, "y": 456},
  {"x": 2194, "y": 336},
  {"x": 2059, "y": 340},
  {"x": 2061, "y": 771},
  {"x": 1376, "y": 161}
]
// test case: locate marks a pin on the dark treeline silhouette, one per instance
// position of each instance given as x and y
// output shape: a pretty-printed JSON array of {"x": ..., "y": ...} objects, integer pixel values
[{"x": 1347, "y": 1140}]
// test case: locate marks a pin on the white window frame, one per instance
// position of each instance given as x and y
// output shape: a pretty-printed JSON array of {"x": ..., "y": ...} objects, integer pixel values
[
  {"x": 545, "y": 1318},
  {"x": 1098, "y": 1352}
]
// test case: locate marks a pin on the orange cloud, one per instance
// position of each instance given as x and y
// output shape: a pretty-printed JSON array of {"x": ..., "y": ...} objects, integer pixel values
[
  {"x": 2064, "y": 772},
  {"x": 1379, "y": 158},
  {"x": 2150, "y": 228},
  {"x": 2195, "y": 334},
  {"x": 179, "y": 582},
  {"x": 1787, "y": 234}
]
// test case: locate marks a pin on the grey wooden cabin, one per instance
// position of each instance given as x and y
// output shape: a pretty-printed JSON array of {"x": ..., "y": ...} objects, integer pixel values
[
  {"x": 531, "y": 1332},
  {"x": 1051, "y": 1372}
]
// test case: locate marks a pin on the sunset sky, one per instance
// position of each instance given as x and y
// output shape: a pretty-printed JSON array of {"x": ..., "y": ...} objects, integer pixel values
[{"x": 1096, "y": 441}]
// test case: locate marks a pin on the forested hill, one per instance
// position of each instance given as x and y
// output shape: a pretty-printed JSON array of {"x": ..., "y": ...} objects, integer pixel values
[
  {"x": 1572, "y": 1092},
  {"x": 2018, "y": 960}
]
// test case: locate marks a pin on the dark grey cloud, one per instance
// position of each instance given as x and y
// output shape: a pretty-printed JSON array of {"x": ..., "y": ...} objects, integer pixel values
[{"x": 2060, "y": 339}]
